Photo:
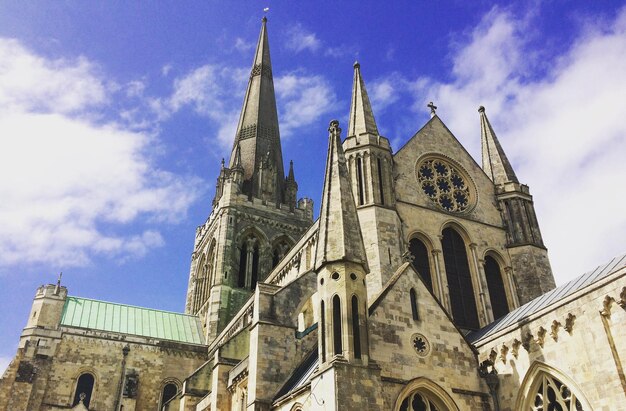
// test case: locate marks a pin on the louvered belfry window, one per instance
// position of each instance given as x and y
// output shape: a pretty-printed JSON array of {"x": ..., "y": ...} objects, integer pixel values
[{"x": 459, "y": 280}]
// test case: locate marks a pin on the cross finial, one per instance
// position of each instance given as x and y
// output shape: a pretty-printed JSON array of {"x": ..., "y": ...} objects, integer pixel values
[{"x": 433, "y": 109}]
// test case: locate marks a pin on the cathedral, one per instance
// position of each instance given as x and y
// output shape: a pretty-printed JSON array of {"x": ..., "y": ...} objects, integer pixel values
[{"x": 424, "y": 285}]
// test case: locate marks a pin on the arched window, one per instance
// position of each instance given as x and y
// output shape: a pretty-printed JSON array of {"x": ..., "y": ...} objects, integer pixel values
[
  {"x": 414, "y": 304},
  {"x": 279, "y": 251},
  {"x": 249, "y": 263},
  {"x": 552, "y": 394},
  {"x": 84, "y": 389},
  {"x": 169, "y": 391},
  {"x": 338, "y": 348},
  {"x": 323, "y": 328},
  {"x": 421, "y": 263},
  {"x": 356, "y": 330},
  {"x": 459, "y": 278},
  {"x": 419, "y": 402},
  {"x": 380, "y": 181},
  {"x": 359, "y": 179},
  {"x": 499, "y": 305}
]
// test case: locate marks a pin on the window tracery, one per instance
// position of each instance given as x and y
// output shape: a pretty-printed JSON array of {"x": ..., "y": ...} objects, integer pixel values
[
  {"x": 553, "y": 395},
  {"x": 445, "y": 184},
  {"x": 418, "y": 402}
]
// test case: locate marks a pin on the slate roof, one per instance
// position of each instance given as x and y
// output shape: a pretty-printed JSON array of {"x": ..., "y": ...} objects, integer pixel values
[
  {"x": 301, "y": 375},
  {"x": 128, "y": 319},
  {"x": 548, "y": 299}
]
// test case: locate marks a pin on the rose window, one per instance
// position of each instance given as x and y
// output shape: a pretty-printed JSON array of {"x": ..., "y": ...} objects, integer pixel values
[
  {"x": 420, "y": 344},
  {"x": 444, "y": 184}
]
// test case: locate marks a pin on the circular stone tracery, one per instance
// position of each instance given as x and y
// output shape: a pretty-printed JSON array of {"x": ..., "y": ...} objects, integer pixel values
[
  {"x": 420, "y": 344},
  {"x": 444, "y": 184}
]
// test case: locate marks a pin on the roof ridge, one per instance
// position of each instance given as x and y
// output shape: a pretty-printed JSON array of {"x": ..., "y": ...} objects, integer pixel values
[{"x": 133, "y": 306}]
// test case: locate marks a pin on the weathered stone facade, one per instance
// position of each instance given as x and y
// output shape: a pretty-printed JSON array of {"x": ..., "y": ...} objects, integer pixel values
[{"x": 424, "y": 285}]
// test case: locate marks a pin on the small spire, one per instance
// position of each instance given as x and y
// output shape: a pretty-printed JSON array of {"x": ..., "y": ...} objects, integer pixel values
[
  {"x": 495, "y": 163},
  {"x": 291, "y": 176},
  {"x": 433, "y": 109},
  {"x": 222, "y": 163},
  {"x": 57, "y": 289},
  {"x": 339, "y": 234},
  {"x": 237, "y": 163},
  {"x": 361, "y": 114}
]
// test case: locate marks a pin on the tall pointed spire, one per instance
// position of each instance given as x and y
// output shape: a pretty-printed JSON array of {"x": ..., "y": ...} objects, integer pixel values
[
  {"x": 495, "y": 163},
  {"x": 361, "y": 115},
  {"x": 257, "y": 131},
  {"x": 339, "y": 235}
]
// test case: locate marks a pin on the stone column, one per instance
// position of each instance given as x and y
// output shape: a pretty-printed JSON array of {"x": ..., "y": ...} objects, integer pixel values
[{"x": 478, "y": 280}]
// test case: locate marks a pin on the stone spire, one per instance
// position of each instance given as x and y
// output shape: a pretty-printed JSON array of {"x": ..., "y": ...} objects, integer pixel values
[
  {"x": 257, "y": 132},
  {"x": 361, "y": 115},
  {"x": 495, "y": 163},
  {"x": 339, "y": 236}
]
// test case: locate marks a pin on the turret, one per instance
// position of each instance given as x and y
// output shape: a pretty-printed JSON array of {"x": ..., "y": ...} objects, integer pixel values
[
  {"x": 341, "y": 264},
  {"x": 529, "y": 256}
]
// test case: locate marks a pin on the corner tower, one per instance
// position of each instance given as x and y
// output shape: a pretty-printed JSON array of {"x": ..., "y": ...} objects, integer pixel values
[
  {"x": 341, "y": 266},
  {"x": 529, "y": 256},
  {"x": 255, "y": 218},
  {"x": 370, "y": 163}
]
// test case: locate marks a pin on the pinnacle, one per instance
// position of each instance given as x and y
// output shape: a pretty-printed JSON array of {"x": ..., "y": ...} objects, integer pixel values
[
  {"x": 495, "y": 163},
  {"x": 361, "y": 115},
  {"x": 339, "y": 235}
]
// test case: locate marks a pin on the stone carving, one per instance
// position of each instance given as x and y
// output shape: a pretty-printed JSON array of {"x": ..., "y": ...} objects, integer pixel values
[
  {"x": 606, "y": 306},
  {"x": 131, "y": 384},
  {"x": 526, "y": 341},
  {"x": 569, "y": 323},
  {"x": 554, "y": 332},
  {"x": 492, "y": 356},
  {"x": 503, "y": 352},
  {"x": 622, "y": 296},
  {"x": 541, "y": 336},
  {"x": 515, "y": 347}
]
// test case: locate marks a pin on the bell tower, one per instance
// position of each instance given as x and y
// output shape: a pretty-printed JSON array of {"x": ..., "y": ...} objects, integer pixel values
[
  {"x": 529, "y": 256},
  {"x": 255, "y": 216}
]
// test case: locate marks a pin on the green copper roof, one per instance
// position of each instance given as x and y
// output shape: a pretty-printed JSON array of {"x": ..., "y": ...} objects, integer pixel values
[{"x": 127, "y": 319}]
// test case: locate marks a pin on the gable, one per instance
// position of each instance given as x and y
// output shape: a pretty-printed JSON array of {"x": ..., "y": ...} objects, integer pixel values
[
  {"x": 435, "y": 140},
  {"x": 393, "y": 334}
]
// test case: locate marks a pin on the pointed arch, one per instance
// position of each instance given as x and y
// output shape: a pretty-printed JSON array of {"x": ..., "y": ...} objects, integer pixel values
[
  {"x": 250, "y": 243},
  {"x": 429, "y": 389},
  {"x": 421, "y": 248},
  {"x": 337, "y": 332},
  {"x": 85, "y": 384},
  {"x": 280, "y": 247},
  {"x": 534, "y": 379},
  {"x": 459, "y": 276},
  {"x": 168, "y": 390},
  {"x": 494, "y": 276}
]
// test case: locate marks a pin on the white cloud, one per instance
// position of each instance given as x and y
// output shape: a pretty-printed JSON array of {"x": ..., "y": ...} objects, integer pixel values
[
  {"x": 243, "y": 46},
  {"x": 302, "y": 100},
  {"x": 217, "y": 92},
  {"x": 72, "y": 187},
  {"x": 564, "y": 129},
  {"x": 299, "y": 39}
]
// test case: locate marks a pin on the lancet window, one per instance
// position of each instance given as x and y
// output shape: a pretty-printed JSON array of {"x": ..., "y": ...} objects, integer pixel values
[
  {"x": 249, "y": 263},
  {"x": 337, "y": 344},
  {"x": 460, "y": 286},
  {"x": 421, "y": 263},
  {"x": 495, "y": 284},
  {"x": 356, "y": 328},
  {"x": 414, "y": 311},
  {"x": 169, "y": 391}
]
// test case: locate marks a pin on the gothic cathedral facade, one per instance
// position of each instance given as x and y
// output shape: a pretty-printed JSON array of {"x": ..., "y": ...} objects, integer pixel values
[{"x": 423, "y": 285}]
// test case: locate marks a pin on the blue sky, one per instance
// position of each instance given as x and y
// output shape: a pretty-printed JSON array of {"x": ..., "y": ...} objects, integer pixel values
[{"x": 114, "y": 118}]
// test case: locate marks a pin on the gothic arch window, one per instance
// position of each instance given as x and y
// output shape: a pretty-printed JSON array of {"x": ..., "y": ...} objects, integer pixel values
[
  {"x": 337, "y": 343},
  {"x": 552, "y": 394},
  {"x": 381, "y": 183},
  {"x": 545, "y": 389},
  {"x": 421, "y": 262},
  {"x": 323, "y": 328},
  {"x": 459, "y": 277},
  {"x": 414, "y": 304},
  {"x": 495, "y": 284},
  {"x": 84, "y": 389},
  {"x": 279, "y": 250},
  {"x": 249, "y": 263},
  {"x": 356, "y": 328},
  {"x": 360, "y": 180},
  {"x": 419, "y": 402},
  {"x": 168, "y": 392}
]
